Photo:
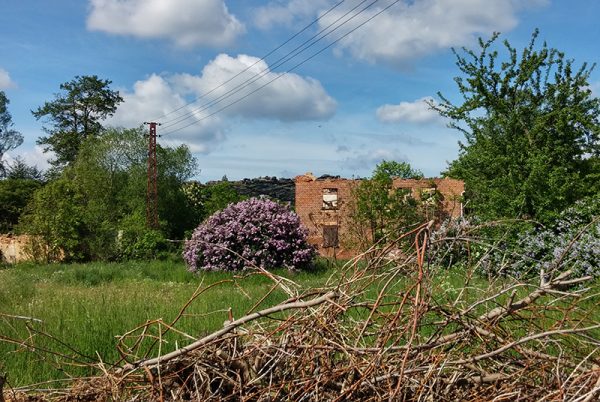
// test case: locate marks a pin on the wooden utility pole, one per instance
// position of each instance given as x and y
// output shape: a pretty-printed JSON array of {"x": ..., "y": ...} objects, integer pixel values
[{"x": 152, "y": 188}]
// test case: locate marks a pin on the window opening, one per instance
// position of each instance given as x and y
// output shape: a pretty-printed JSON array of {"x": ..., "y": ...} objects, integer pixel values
[
  {"x": 330, "y": 198},
  {"x": 330, "y": 236}
]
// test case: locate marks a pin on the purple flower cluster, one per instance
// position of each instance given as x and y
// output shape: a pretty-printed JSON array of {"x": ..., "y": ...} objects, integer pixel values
[
  {"x": 255, "y": 232},
  {"x": 572, "y": 242},
  {"x": 448, "y": 243}
]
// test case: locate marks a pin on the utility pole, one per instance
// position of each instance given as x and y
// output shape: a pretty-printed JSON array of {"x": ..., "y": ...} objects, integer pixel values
[{"x": 152, "y": 192}]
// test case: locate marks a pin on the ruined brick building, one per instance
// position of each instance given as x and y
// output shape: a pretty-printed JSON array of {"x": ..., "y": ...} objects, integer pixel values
[{"x": 324, "y": 207}]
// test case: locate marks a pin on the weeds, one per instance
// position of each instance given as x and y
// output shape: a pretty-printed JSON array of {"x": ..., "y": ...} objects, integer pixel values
[{"x": 376, "y": 329}]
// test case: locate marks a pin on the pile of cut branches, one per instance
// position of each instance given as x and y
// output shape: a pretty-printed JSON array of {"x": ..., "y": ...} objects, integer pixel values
[{"x": 381, "y": 329}]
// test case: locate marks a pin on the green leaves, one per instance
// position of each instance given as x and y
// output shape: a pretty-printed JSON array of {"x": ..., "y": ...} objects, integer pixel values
[
  {"x": 9, "y": 138},
  {"x": 381, "y": 208},
  {"x": 75, "y": 115},
  {"x": 96, "y": 208},
  {"x": 530, "y": 122}
]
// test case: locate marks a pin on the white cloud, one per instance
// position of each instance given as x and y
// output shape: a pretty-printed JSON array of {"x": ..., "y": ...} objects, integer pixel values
[
  {"x": 153, "y": 98},
  {"x": 410, "y": 30},
  {"x": 185, "y": 22},
  {"x": 407, "y": 30},
  {"x": 5, "y": 81},
  {"x": 361, "y": 160},
  {"x": 201, "y": 126},
  {"x": 286, "y": 97},
  {"x": 418, "y": 112},
  {"x": 295, "y": 10},
  {"x": 33, "y": 157}
]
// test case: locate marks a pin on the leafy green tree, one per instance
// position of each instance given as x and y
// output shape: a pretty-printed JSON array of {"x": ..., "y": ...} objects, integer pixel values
[
  {"x": 55, "y": 218},
  {"x": 16, "y": 191},
  {"x": 382, "y": 210},
  {"x": 530, "y": 123},
  {"x": 107, "y": 199},
  {"x": 218, "y": 196},
  {"x": 19, "y": 169},
  {"x": 206, "y": 199},
  {"x": 75, "y": 115},
  {"x": 9, "y": 138},
  {"x": 175, "y": 167},
  {"x": 15, "y": 194},
  {"x": 387, "y": 170}
]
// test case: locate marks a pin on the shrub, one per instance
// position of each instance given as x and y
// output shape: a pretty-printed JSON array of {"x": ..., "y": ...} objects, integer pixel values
[
  {"x": 255, "y": 232},
  {"x": 572, "y": 242},
  {"x": 522, "y": 249},
  {"x": 449, "y": 243}
]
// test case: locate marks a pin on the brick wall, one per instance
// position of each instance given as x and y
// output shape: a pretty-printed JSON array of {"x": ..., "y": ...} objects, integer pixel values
[
  {"x": 309, "y": 207},
  {"x": 450, "y": 191}
]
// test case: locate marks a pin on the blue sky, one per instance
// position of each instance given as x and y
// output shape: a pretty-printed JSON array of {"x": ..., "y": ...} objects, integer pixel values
[{"x": 354, "y": 104}]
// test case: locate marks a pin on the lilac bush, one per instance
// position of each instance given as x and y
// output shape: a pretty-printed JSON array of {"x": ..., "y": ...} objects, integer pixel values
[
  {"x": 572, "y": 242},
  {"x": 254, "y": 232}
]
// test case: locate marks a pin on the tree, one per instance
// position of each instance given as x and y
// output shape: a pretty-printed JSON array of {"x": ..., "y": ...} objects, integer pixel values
[
  {"x": 9, "y": 138},
  {"x": 16, "y": 191},
  {"x": 382, "y": 210},
  {"x": 19, "y": 169},
  {"x": 530, "y": 124},
  {"x": 387, "y": 170},
  {"x": 105, "y": 200},
  {"x": 76, "y": 115},
  {"x": 15, "y": 194},
  {"x": 55, "y": 218},
  {"x": 206, "y": 199}
]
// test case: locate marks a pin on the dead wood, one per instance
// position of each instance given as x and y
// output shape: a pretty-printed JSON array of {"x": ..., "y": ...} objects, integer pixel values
[{"x": 377, "y": 331}]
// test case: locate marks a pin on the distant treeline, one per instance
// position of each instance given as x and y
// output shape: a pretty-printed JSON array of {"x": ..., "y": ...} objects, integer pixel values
[{"x": 281, "y": 189}]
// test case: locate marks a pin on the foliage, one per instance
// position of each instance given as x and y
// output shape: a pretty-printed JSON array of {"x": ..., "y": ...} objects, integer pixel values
[
  {"x": 387, "y": 170},
  {"x": 572, "y": 242},
  {"x": 107, "y": 208},
  {"x": 19, "y": 169},
  {"x": 218, "y": 196},
  {"x": 206, "y": 199},
  {"x": 530, "y": 123},
  {"x": 255, "y": 232},
  {"x": 75, "y": 115},
  {"x": 9, "y": 138},
  {"x": 15, "y": 194},
  {"x": 383, "y": 210},
  {"x": 16, "y": 191},
  {"x": 55, "y": 219},
  {"x": 450, "y": 242},
  {"x": 143, "y": 245},
  {"x": 524, "y": 249}
]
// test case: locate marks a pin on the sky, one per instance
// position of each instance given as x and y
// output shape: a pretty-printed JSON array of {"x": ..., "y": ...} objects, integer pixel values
[{"x": 274, "y": 88}]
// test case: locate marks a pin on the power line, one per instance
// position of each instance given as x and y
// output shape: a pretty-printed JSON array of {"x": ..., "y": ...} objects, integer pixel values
[
  {"x": 284, "y": 73},
  {"x": 256, "y": 62},
  {"x": 283, "y": 60},
  {"x": 278, "y": 63}
]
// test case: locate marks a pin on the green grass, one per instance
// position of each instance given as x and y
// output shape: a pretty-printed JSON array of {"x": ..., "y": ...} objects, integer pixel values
[{"x": 87, "y": 305}]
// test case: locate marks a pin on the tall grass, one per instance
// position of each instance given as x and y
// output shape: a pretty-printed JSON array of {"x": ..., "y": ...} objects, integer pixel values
[{"x": 87, "y": 305}]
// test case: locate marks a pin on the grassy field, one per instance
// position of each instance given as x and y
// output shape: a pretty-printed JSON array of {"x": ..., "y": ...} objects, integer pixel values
[
  {"x": 81, "y": 308},
  {"x": 87, "y": 305}
]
